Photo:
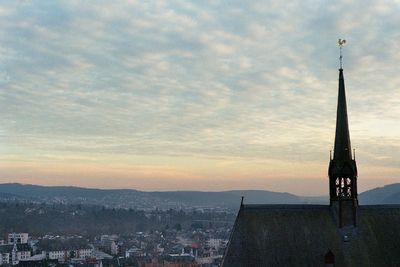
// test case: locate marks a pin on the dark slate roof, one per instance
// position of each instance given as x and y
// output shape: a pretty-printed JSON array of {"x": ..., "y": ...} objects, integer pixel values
[
  {"x": 63, "y": 244},
  {"x": 9, "y": 247},
  {"x": 301, "y": 235}
]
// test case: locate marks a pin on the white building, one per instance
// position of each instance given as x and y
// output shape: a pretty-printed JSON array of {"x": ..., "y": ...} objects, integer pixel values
[
  {"x": 84, "y": 253},
  {"x": 114, "y": 248},
  {"x": 14, "y": 253},
  {"x": 57, "y": 255},
  {"x": 61, "y": 255},
  {"x": 134, "y": 252},
  {"x": 4, "y": 257},
  {"x": 18, "y": 238},
  {"x": 214, "y": 243}
]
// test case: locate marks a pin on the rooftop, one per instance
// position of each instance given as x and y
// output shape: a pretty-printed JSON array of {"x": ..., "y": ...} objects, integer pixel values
[{"x": 301, "y": 235}]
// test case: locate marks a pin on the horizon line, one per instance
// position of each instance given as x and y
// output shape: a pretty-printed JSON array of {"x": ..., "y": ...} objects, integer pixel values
[{"x": 186, "y": 190}]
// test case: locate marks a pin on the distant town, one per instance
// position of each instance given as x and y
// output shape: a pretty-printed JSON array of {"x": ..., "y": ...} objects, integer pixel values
[
  {"x": 64, "y": 226},
  {"x": 56, "y": 231},
  {"x": 199, "y": 244}
]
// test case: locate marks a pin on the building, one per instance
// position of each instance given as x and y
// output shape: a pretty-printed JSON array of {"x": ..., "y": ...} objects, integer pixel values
[
  {"x": 84, "y": 253},
  {"x": 108, "y": 243},
  {"x": 18, "y": 238},
  {"x": 60, "y": 255},
  {"x": 65, "y": 249},
  {"x": 14, "y": 253},
  {"x": 340, "y": 234},
  {"x": 67, "y": 253},
  {"x": 134, "y": 252},
  {"x": 37, "y": 260},
  {"x": 215, "y": 243}
]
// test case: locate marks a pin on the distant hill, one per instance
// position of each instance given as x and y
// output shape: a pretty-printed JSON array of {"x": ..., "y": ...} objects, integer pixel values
[
  {"x": 388, "y": 194},
  {"x": 129, "y": 198},
  {"x": 232, "y": 198}
]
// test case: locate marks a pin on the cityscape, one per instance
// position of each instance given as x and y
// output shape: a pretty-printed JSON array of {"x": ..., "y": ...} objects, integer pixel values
[
  {"x": 207, "y": 133},
  {"x": 170, "y": 247},
  {"x": 40, "y": 226}
]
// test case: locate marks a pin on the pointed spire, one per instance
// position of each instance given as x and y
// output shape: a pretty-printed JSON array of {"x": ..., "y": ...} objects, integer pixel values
[
  {"x": 342, "y": 168},
  {"x": 342, "y": 151}
]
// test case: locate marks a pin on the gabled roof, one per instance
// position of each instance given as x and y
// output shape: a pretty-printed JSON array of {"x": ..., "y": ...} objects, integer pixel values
[
  {"x": 63, "y": 244},
  {"x": 301, "y": 235},
  {"x": 9, "y": 247}
]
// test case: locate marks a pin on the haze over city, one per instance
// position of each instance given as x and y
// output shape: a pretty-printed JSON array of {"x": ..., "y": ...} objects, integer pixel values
[{"x": 202, "y": 95}]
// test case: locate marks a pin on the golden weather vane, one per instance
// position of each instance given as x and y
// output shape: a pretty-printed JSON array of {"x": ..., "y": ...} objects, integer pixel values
[{"x": 341, "y": 43}]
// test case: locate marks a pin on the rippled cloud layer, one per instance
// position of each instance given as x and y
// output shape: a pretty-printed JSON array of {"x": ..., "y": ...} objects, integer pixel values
[{"x": 195, "y": 94}]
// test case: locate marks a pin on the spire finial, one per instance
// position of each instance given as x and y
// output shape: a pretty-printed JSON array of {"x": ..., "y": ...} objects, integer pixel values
[{"x": 341, "y": 43}]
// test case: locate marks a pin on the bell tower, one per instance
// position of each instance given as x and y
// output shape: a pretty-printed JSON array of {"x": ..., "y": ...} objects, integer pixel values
[{"x": 342, "y": 166}]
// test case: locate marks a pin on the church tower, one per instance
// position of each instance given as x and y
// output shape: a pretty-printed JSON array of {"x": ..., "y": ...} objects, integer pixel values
[{"x": 342, "y": 167}]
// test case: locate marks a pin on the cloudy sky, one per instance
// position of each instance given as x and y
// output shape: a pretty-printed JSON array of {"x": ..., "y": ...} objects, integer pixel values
[{"x": 203, "y": 95}]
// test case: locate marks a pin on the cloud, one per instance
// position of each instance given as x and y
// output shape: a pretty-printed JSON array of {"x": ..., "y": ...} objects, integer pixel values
[{"x": 205, "y": 80}]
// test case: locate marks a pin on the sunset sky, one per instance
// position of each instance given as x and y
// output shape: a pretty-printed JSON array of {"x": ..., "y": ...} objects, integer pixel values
[{"x": 200, "y": 95}]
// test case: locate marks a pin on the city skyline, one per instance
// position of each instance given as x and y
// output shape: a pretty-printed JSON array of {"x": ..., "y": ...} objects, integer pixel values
[{"x": 196, "y": 95}]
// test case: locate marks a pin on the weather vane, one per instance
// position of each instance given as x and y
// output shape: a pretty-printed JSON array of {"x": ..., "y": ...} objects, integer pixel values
[{"x": 341, "y": 43}]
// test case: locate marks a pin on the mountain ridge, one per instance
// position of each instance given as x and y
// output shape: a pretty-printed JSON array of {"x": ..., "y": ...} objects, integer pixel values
[
  {"x": 182, "y": 199},
  {"x": 132, "y": 198}
]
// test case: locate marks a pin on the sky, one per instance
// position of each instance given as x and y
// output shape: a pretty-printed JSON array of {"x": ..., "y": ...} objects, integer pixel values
[{"x": 196, "y": 95}]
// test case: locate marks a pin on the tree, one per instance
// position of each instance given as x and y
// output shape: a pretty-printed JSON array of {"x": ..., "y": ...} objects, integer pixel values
[
  {"x": 72, "y": 254},
  {"x": 178, "y": 227}
]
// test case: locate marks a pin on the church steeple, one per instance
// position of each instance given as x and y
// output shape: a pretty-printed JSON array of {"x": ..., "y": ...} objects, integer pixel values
[
  {"x": 342, "y": 151},
  {"x": 342, "y": 167}
]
